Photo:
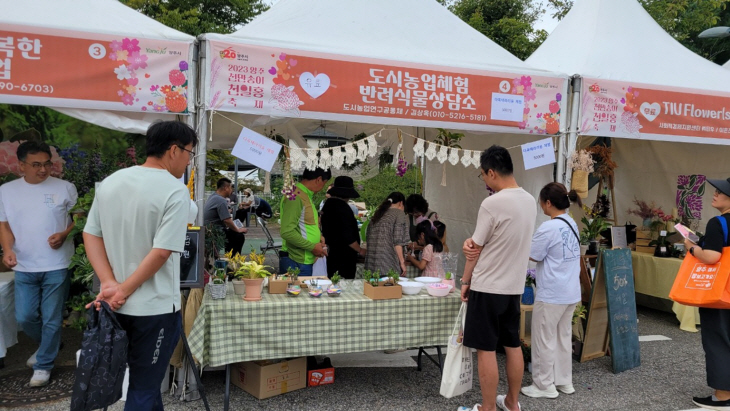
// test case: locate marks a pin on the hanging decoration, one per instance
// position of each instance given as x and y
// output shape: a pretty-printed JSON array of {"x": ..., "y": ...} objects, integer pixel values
[
  {"x": 333, "y": 157},
  {"x": 466, "y": 158},
  {"x": 350, "y": 154},
  {"x": 312, "y": 159},
  {"x": 373, "y": 145},
  {"x": 338, "y": 157},
  {"x": 402, "y": 165},
  {"x": 325, "y": 159},
  {"x": 453, "y": 156},
  {"x": 362, "y": 150},
  {"x": 419, "y": 148},
  {"x": 431, "y": 151},
  {"x": 297, "y": 157},
  {"x": 289, "y": 190}
]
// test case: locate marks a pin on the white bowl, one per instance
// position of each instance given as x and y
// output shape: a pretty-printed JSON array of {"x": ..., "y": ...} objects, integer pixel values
[
  {"x": 428, "y": 280},
  {"x": 411, "y": 287},
  {"x": 322, "y": 283},
  {"x": 439, "y": 290}
]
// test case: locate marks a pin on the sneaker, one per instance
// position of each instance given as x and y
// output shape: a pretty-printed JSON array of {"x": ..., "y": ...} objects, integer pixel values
[
  {"x": 711, "y": 403},
  {"x": 501, "y": 406},
  {"x": 477, "y": 407},
  {"x": 534, "y": 392},
  {"x": 40, "y": 378},
  {"x": 566, "y": 389},
  {"x": 32, "y": 360}
]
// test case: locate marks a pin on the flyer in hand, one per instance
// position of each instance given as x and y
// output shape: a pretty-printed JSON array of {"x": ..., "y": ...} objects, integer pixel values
[{"x": 687, "y": 233}]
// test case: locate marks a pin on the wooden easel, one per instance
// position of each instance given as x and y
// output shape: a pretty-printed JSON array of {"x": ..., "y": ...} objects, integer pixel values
[{"x": 611, "y": 196}]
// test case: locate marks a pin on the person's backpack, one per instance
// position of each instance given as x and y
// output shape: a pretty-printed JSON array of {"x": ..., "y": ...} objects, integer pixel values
[{"x": 103, "y": 361}]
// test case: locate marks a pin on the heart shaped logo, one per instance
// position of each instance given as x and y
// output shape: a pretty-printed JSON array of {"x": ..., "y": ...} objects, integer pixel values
[
  {"x": 315, "y": 86},
  {"x": 272, "y": 71},
  {"x": 651, "y": 111}
]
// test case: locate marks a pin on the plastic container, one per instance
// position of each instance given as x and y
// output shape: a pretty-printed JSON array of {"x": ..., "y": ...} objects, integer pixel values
[
  {"x": 428, "y": 280},
  {"x": 438, "y": 289},
  {"x": 411, "y": 287}
]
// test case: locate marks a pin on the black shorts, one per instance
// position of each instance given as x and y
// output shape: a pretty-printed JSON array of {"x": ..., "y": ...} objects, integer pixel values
[{"x": 492, "y": 320}]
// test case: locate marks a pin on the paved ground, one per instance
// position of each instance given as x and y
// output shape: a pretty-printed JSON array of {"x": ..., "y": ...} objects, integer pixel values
[{"x": 672, "y": 371}]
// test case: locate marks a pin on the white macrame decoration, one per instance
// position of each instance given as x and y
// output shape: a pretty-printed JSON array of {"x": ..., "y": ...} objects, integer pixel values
[
  {"x": 431, "y": 151},
  {"x": 466, "y": 158},
  {"x": 325, "y": 159},
  {"x": 338, "y": 157},
  {"x": 419, "y": 148},
  {"x": 362, "y": 150},
  {"x": 443, "y": 154},
  {"x": 453, "y": 156},
  {"x": 312, "y": 160},
  {"x": 296, "y": 156},
  {"x": 350, "y": 154},
  {"x": 372, "y": 146},
  {"x": 475, "y": 155}
]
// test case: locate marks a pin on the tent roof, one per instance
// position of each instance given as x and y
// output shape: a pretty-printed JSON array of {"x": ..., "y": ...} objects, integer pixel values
[
  {"x": 93, "y": 16},
  {"x": 619, "y": 40},
  {"x": 418, "y": 31}
]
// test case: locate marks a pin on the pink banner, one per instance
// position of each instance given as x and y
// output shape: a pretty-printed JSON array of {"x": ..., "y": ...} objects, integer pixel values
[
  {"x": 97, "y": 71},
  {"x": 277, "y": 82}
]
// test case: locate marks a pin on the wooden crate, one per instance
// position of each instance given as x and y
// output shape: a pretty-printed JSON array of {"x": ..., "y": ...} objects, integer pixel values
[
  {"x": 643, "y": 242},
  {"x": 643, "y": 234},
  {"x": 644, "y": 249}
]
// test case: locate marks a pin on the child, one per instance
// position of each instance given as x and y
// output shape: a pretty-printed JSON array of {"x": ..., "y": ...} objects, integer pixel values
[
  {"x": 441, "y": 233},
  {"x": 430, "y": 263}
]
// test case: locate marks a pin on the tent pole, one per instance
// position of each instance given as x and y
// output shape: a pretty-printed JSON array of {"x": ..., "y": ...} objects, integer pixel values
[
  {"x": 573, "y": 130},
  {"x": 203, "y": 118}
]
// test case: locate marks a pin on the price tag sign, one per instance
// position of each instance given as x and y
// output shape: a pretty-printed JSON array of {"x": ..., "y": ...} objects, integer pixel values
[
  {"x": 256, "y": 149},
  {"x": 537, "y": 154}
]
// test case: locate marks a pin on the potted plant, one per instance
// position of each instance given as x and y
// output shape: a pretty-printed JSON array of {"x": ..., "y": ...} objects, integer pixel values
[
  {"x": 449, "y": 279},
  {"x": 526, "y": 355},
  {"x": 393, "y": 278},
  {"x": 528, "y": 296},
  {"x": 593, "y": 224},
  {"x": 584, "y": 240},
  {"x": 389, "y": 290},
  {"x": 77, "y": 305},
  {"x": 217, "y": 285},
  {"x": 581, "y": 163},
  {"x": 579, "y": 314},
  {"x": 234, "y": 265},
  {"x": 334, "y": 289},
  {"x": 253, "y": 273}
]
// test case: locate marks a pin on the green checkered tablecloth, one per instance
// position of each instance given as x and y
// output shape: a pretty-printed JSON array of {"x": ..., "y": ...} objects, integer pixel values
[{"x": 280, "y": 326}]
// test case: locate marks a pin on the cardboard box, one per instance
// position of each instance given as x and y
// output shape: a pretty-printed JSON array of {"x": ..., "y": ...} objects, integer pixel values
[
  {"x": 383, "y": 293},
  {"x": 321, "y": 377},
  {"x": 644, "y": 249},
  {"x": 264, "y": 379},
  {"x": 280, "y": 286}
]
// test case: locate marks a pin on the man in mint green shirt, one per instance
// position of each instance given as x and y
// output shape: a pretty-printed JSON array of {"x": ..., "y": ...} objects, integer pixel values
[{"x": 302, "y": 241}]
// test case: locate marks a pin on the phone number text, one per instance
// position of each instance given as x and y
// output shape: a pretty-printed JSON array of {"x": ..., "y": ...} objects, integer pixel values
[{"x": 26, "y": 88}]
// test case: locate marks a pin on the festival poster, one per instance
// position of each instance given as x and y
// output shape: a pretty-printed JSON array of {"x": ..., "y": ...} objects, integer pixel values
[
  {"x": 618, "y": 109},
  {"x": 96, "y": 71},
  {"x": 277, "y": 82}
]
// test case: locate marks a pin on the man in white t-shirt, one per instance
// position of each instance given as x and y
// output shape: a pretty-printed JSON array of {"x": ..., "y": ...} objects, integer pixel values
[
  {"x": 134, "y": 234},
  {"x": 34, "y": 228},
  {"x": 494, "y": 278}
]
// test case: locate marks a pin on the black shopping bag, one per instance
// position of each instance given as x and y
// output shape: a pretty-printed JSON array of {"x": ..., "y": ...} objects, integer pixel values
[{"x": 103, "y": 361}]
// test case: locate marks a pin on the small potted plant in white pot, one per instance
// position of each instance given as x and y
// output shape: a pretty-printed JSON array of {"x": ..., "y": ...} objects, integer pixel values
[{"x": 449, "y": 279}]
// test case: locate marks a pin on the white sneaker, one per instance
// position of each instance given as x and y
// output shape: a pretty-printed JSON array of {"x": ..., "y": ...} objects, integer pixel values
[
  {"x": 534, "y": 392},
  {"x": 566, "y": 389},
  {"x": 40, "y": 378},
  {"x": 477, "y": 407},
  {"x": 501, "y": 406},
  {"x": 32, "y": 360}
]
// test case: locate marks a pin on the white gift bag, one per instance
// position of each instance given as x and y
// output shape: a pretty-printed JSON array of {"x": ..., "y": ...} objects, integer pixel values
[
  {"x": 320, "y": 267},
  {"x": 458, "y": 372}
]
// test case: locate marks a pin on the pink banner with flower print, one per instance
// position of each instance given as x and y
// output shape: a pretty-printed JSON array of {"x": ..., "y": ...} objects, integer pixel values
[
  {"x": 97, "y": 71},
  {"x": 617, "y": 109},
  {"x": 278, "y": 82}
]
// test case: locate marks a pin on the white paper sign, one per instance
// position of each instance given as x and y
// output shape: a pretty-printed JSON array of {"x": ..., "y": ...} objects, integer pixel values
[
  {"x": 618, "y": 237},
  {"x": 539, "y": 153},
  {"x": 507, "y": 107},
  {"x": 256, "y": 149}
]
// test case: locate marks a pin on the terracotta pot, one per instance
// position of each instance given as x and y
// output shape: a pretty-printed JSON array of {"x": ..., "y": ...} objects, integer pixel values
[
  {"x": 239, "y": 287},
  {"x": 253, "y": 289},
  {"x": 451, "y": 282}
]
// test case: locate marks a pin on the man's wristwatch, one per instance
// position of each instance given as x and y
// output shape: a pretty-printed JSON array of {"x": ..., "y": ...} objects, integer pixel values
[
  {"x": 465, "y": 283},
  {"x": 692, "y": 251}
]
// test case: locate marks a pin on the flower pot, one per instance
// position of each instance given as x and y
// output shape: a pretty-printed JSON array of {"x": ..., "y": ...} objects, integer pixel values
[
  {"x": 583, "y": 249},
  {"x": 217, "y": 291},
  {"x": 647, "y": 222},
  {"x": 253, "y": 289},
  {"x": 592, "y": 247},
  {"x": 239, "y": 287},
  {"x": 528, "y": 297},
  {"x": 451, "y": 283}
]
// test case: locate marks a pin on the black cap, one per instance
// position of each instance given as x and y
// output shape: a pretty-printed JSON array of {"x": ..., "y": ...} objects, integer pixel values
[{"x": 722, "y": 185}]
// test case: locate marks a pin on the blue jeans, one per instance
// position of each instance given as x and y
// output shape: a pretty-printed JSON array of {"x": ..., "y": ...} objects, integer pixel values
[
  {"x": 152, "y": 339},
  {"x": 39, "y": 301},
  {"x": 286, "y": 262}
]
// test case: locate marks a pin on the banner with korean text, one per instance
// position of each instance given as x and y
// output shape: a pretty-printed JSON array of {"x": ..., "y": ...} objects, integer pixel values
[
  {"x": 276, "y": 82},
  {"x": 89, "y": 70},
  {"x": 617, "y": 109}
]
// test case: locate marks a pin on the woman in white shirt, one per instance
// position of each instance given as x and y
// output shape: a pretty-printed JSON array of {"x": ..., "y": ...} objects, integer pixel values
[{"x": 556, "y": 249}]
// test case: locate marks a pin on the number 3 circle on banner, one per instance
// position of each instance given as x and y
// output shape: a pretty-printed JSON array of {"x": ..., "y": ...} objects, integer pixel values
[{"x": 97, "y": 51}]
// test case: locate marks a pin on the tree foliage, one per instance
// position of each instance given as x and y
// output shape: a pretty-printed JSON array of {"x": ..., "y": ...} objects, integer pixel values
[
  {"x": 196, "y": 17},
  {"x": 508, "y": 23},
  {"x": 684, "y": 20}
]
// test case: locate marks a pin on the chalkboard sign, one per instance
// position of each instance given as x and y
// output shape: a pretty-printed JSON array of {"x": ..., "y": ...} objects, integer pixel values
[
  {"x": 191, "y": 260},
  {"x": 622, "y": 324}
]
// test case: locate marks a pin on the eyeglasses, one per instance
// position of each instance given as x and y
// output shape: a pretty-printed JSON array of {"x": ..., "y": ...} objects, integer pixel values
[
  {"x": 36, "y": 165},
  {"x": 481, "y": 173},
  {"x": 190, "y": 153}
]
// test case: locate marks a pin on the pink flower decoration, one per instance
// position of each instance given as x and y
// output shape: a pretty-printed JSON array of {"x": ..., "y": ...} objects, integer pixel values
[
  {"x": 144, "y": 108},
  {"x": 154, "y": 88},
  {"x": 131, "y": 45},
  {"x": 529, "y": 93},
  {"x": 113, "y": 56},
  {"x": 158, "y": 108},
  {"x": 177, "y": 78},
  {"x": 137, "y": 61},
  {"x": 127, "y": 99},
  {"x": 526, "y": 81},
  {"x": 522, "y": 125},
  {"x": 115, "y": 45},
  {"x": 516, "y": 82}
]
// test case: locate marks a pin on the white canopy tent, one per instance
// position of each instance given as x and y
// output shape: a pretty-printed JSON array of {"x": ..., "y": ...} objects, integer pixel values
[
  {"x": 101, "y": 20},
  {"x": 641, "y": 85},
  {"x": 409, "y": 34}
]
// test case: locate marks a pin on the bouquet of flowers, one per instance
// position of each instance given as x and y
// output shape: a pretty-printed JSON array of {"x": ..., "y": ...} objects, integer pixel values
[{"x": 530, "y": 278}]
